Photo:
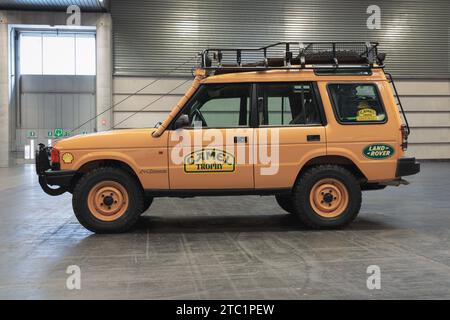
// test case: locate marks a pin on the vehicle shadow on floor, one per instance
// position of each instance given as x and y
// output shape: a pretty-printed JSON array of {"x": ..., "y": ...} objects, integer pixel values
[{"x": 239, "y": 223}]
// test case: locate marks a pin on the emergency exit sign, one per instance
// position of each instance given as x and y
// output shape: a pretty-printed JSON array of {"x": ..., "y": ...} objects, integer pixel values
[
  {"x": 31, "y": 134},
  {"x": 58, "y": 132}
]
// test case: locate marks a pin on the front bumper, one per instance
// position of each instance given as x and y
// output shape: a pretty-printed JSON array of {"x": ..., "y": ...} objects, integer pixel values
[
  {"x": 60, "y": 178},
  {"x": 50, "y": 177},
  {"x": 407, "y": 167}
]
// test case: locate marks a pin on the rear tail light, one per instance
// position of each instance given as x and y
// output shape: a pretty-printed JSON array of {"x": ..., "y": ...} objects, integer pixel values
[
  {"x": 54, "y": 156},
  {"x": 404, "y": 131}
]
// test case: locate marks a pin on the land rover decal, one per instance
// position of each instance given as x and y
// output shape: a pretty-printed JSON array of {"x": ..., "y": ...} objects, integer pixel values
[
  {"x": 209, "y": 160},
  {"x": 378, "y": 151}
]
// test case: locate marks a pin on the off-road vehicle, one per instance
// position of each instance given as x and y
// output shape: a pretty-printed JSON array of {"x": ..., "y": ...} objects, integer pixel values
[{"x": 313, "y": 124}]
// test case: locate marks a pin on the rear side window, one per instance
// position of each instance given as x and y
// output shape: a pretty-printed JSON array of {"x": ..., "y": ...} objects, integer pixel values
[
  {"x": 287, "y": 104},
  {"x": 357, "y": 102}
]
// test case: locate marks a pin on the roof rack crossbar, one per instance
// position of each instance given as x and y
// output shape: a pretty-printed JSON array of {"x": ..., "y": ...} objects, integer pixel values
[{"x": 311, "y": 55}]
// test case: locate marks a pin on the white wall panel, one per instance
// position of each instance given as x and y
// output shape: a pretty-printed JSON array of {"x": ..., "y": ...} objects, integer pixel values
[
  {"x": 49, "y": 102},
  {"x": 137, "y": 102},
  {"x": 143, "y": 120},
  {"x": 426, "y": 103},
  {"x": 429, "y": 119}
]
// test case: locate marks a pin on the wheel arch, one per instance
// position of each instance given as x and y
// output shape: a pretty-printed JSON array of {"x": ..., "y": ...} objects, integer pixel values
[
  {"x": 334, "y": 160},
  {"x": 108, "y": 162}
]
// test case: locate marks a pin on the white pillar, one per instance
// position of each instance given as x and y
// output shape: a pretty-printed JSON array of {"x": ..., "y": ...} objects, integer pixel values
[
  {"x": 4, "y": 92},
  {"x": 104, "y": 72}
]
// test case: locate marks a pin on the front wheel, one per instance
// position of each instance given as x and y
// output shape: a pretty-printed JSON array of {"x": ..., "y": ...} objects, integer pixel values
[
  {"x": 107, "y": 200},
  {"x": 147, "y": 203},
  {"x": 327, "y": 196}
]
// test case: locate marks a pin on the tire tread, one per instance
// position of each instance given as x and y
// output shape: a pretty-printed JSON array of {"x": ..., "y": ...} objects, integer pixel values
[
  {"x": 102, "y": 227},
  {"x": 309, "y": 174}
]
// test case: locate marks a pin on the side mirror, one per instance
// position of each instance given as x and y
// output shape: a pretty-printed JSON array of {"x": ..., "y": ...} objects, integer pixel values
[{"x": 182, "y": 121}]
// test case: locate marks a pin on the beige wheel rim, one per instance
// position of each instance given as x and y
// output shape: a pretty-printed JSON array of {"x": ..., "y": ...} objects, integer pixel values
[
  {"x": 329, "y": 198},
  {"x": 108, "y": 200}
]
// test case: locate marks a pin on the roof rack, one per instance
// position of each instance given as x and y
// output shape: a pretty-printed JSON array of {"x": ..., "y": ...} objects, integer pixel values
[{"x": 309, "y": 55}]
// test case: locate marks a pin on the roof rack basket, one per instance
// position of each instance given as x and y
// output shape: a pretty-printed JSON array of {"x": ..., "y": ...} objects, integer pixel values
[{"x": 294, "y": 55}]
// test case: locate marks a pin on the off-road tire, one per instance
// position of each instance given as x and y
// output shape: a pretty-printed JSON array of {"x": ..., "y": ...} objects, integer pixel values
[
  {"x": 89, "y": 181},
  {"x": 285, "y": 202},
  {"x": 313, "y": 176}
]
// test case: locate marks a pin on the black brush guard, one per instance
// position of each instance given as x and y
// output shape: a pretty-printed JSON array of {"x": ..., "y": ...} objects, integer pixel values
[{"x": 48, "y": 177}]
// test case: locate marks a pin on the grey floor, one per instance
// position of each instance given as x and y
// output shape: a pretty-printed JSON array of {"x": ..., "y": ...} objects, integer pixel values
[{"x": 227, "y": 247}]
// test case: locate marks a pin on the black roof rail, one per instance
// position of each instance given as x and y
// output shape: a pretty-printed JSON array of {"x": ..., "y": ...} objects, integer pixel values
[{"x": 294, "y": 55}]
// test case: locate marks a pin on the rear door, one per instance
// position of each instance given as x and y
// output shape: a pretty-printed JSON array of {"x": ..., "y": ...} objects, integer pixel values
[
  {"x": 291, "y": 130},
  {"x": 364, "y": 125}
]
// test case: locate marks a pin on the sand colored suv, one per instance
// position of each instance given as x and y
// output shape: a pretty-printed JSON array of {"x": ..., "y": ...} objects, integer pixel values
[{"x": 314, "y": 127}]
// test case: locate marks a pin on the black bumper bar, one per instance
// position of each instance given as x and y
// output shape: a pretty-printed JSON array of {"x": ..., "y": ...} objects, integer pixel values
[
  {"x": 407, "y": 167},
  {"x": 60, "y": 178},
  {"x": 48, "y": 177}
]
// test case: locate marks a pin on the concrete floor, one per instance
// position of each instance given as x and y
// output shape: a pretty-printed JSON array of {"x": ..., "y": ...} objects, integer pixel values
[{"x": 227, "y": 247}]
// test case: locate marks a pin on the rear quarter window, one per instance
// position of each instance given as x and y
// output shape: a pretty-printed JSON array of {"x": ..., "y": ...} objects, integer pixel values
[{"x": 357, "y": 103}]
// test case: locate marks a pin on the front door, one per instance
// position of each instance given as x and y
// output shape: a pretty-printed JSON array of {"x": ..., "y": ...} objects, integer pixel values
[{"x": 214, "y": 149}]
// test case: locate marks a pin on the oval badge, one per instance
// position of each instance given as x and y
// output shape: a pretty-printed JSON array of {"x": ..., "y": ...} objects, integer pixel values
[{"x": 378, "y": 151}]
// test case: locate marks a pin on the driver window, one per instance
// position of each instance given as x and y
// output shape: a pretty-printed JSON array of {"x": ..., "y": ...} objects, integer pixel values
[{"x": 220, "y": 106}]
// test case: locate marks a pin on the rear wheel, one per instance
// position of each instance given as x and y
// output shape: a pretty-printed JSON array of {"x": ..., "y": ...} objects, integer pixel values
[
  {"x": 327, "y": 196},
  {"x": 285, "y": 202},
  {"x": 107, "y": 200}
]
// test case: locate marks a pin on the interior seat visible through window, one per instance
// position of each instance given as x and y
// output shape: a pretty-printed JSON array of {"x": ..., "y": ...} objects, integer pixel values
[{"x": 284, "y": 104}]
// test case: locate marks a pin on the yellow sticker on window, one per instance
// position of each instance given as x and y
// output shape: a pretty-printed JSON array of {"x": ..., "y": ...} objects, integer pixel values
[
  {"x": 209, "y": 160},
  {"x": 366, "y": 114}
]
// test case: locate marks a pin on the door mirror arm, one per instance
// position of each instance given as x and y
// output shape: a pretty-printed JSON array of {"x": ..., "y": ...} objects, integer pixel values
[{"x": 182, "y": 122}]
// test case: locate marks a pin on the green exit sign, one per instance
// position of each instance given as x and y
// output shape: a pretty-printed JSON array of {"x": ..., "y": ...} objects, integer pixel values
[
  {"x": 31, "y": 135},
  {"x": 58, "y": 132}
]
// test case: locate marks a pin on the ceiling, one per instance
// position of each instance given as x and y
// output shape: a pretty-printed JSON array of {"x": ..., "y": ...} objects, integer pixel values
[{"x": 54, "y": 5}]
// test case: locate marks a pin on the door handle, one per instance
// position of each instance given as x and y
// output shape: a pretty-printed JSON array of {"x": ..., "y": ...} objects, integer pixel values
[
  {"x": 313, "y": 137},
  {"x": 240, "y": 139}
]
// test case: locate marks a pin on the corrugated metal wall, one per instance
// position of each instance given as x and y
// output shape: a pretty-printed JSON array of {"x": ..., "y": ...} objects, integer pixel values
[
  {"x": 60, "y": 5},
  {"x": 153, "y": 36}
]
